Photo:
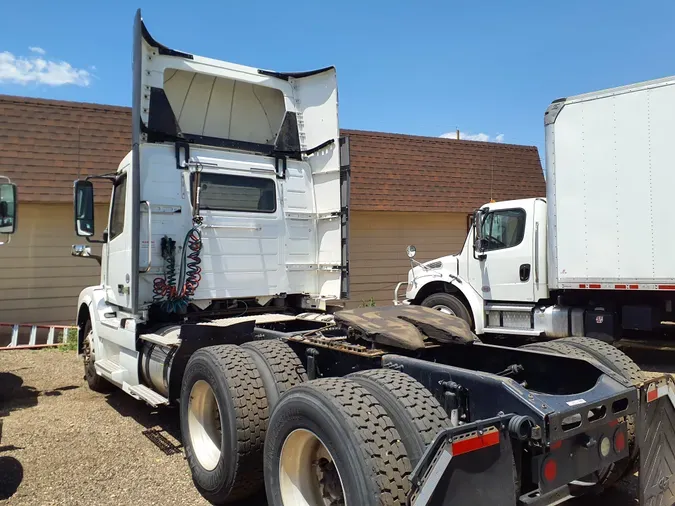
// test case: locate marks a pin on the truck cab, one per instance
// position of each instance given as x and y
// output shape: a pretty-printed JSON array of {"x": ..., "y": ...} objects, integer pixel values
[
  {"x": 502, "y": 261},
  {"x": 591, "y": 258}
]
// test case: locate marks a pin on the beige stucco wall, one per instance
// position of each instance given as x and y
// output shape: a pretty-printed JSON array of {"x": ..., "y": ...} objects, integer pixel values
[
  {"x": 40, "y": 280},
  {"x": 378, "y": 243}
]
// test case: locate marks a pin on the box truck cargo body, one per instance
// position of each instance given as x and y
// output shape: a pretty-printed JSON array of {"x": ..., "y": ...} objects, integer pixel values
[
  {"x": 594, "y": 256},
  {"x": 609, "y": 176}
]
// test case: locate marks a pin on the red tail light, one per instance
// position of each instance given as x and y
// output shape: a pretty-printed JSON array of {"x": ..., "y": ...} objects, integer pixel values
[
  {"x": 619, "y": 441},
  {"x": 550, "y": 469}
]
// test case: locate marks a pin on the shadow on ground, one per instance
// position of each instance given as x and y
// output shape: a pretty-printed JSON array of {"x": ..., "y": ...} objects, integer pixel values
[
  {"x": 11, "y": 476},
  {"x": 161, "y": 425},
  {"x": 15, "y": 395}
]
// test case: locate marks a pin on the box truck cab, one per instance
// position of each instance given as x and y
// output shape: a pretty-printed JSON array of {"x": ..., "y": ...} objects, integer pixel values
[{"x": 593, "y": 257}]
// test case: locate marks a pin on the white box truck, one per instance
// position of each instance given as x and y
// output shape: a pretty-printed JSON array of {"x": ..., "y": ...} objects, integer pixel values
[{"x": 594, "y": 257}]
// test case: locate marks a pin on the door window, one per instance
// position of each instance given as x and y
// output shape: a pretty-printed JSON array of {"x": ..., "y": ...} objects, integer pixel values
[
  {"x": 504, "y": 229},
  {"x": 118, "y": 204}
]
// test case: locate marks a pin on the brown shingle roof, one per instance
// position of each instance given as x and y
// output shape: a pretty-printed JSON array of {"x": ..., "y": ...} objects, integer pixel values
[
  {"x": 395, "y": 172},
  {"x": 46, "y": 144}
]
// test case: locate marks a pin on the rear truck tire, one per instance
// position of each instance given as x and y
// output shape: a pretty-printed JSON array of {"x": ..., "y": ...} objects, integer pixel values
[
  {"x": 617, "y": 361},
  {"x": 223, "y": 420},
  {"x": 417, "y": 415},
  {"x": 94, "y": 381},
  {"x": 331, "y": 438},
  {"x": 448, "y": 304},
  {"x": 279, "y": 367}
]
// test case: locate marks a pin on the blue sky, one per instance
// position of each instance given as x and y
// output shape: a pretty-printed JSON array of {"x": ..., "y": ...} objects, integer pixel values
[{"x": 489, "y": 68}]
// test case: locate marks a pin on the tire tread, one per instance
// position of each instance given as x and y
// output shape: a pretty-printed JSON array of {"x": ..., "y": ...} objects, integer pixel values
[
  {"x": 423, "y": 410},
  {"x": 375, "y": 431},
  {"x": 251, "y": 415}
]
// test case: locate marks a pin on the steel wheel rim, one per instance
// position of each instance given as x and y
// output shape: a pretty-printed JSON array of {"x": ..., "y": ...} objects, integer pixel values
[
  {"x": 204, "y": 425},
  {"x": 444, "y": 309},
  {"x": 308, "y": 475}
]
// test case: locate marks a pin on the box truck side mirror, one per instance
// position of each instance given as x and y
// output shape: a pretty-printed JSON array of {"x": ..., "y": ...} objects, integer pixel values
[
  {"x": 7, "y": 208},
  {"x": 84, "y": 208}
]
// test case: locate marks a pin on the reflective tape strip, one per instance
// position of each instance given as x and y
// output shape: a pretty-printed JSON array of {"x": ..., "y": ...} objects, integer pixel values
[
  {"x": 475, "y": 442},
  {"x": 657, "y": 391},
  {"x": 433, "y": 479}
]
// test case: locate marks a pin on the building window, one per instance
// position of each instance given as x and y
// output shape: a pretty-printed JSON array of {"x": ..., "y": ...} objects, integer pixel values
[
  {"x": 225, "y": 192},
  {"x": 118, "y": 205},
  {"x": 504, "y": 229}
]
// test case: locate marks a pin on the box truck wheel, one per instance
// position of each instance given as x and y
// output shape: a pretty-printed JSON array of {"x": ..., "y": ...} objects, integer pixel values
[
  {"x": 96, "y": 383},
  {"x": 416, "y": 413},
  {"x": 223, "y": 419},
  {"x": 278, "y": 365},
  {"x": 448, "y": 304},
  {"x": 331, "y": 442}
]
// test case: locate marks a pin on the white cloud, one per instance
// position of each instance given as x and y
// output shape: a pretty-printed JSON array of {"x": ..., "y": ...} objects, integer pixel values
[
  {"x": 38, "y": 50},
  {"x": 474, "y": 137},
  {"x": 35, "y": 69}
]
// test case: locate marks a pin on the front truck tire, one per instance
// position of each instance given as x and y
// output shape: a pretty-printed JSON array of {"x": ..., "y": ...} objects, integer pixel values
[
  {"x": 620, "y": 363},
  {"x": 417, "y": 415},
  {"x": 449, "y": 304},
  {"x": 331, "y": 438},
  {"x": 94, "y": 381},
  {"x": 223, "y": 418}
]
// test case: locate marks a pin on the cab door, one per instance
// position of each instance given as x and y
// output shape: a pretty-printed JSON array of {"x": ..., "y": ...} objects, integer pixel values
[
  {"x": 505, "y": 270},
  {"x": 118, "y": 262}
]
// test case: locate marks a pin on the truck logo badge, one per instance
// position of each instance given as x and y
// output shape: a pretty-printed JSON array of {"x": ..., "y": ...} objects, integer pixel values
[
  {"x": 599, "y": 319},
  {"x": 485, "y": 288}
]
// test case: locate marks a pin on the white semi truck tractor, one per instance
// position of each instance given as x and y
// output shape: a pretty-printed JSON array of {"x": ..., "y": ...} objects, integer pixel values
[
  {"x": 227, "y": 241},
  {"x": 594, "y": 256}
]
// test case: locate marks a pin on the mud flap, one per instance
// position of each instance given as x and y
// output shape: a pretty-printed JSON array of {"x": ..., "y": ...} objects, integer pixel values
[
  {"x": 475, "y": 468},
  {"x": 656, "y": 436}
]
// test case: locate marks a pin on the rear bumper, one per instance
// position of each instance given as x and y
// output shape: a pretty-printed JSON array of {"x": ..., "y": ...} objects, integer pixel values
[{"x": 441, "y": 475}]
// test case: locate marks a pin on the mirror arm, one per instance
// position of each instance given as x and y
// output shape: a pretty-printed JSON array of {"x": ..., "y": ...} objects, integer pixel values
[{"x": 95, "y": 241}]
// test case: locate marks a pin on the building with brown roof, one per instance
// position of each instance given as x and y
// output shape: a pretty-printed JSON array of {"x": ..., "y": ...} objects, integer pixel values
[{"x": 405, "y": 190}]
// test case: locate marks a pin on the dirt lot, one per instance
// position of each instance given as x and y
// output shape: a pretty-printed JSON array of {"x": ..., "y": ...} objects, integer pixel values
[{"x": 64, "y": 444}]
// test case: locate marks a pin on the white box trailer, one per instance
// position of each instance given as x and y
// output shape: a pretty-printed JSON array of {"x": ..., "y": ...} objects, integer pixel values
[
  {"x": 592, "y": 258},
  {"x": 609, "y": 178}
]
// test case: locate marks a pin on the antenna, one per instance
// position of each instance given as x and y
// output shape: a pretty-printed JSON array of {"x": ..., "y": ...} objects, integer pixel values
[{"x": 492, "y": 174}]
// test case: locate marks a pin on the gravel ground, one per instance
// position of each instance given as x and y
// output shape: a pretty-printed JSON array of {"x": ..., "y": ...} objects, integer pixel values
[{"x": 64, "y": 444}]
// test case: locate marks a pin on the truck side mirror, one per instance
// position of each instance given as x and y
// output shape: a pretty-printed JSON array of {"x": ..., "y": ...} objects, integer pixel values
[
  {"x": 480, "y": 244},
  {"x": 84, "y": 208},
  {"x": 7, "y": 208}
]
